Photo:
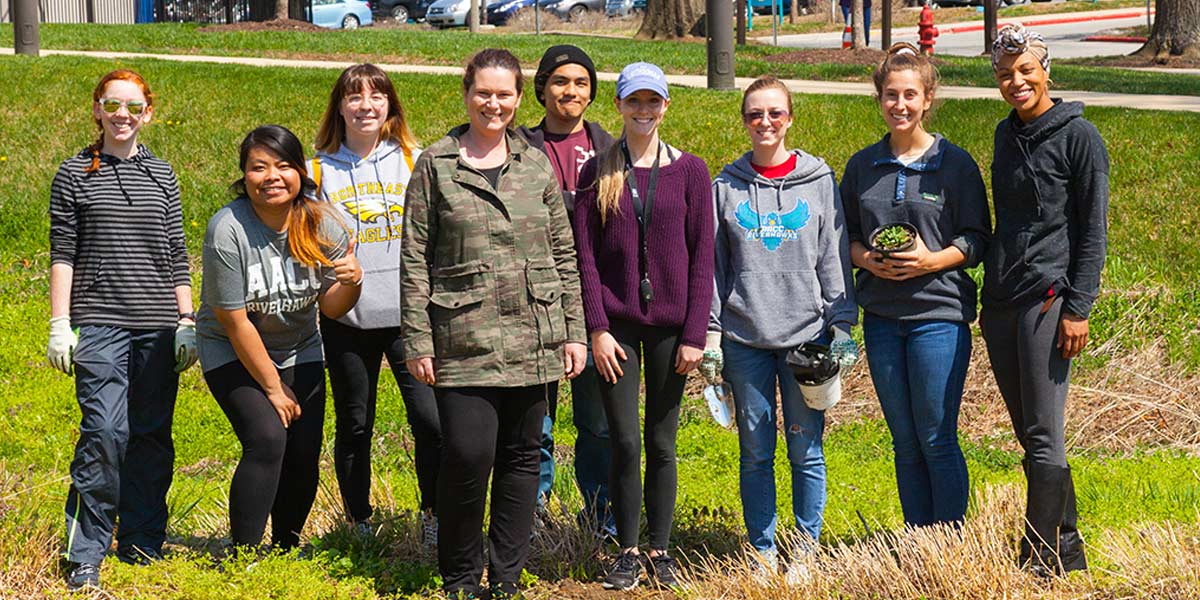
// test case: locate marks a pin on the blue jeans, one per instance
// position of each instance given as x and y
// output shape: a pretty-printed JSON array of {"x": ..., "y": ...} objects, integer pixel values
[
  {"x": 866, "y": 22},
  {"x": 918, "y": 368},
  {"x": 753, "y": 374}
]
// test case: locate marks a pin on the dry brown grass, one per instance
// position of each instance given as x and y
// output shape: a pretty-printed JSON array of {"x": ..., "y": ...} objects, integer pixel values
[
  {"x": 1137, "y": 400},
  {"x": 1156, "y": 561},
  {"x": 593, "y": 23}
]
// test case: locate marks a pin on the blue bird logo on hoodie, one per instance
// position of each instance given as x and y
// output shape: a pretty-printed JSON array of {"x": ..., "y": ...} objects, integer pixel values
[{"x": 772, "y": 228}]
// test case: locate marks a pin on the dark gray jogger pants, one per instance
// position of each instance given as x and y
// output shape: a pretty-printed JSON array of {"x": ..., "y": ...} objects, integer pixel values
[{"x": 125, "y": 383}]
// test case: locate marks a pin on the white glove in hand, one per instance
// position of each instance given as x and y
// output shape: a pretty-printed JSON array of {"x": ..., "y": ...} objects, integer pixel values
[
  {"x": 185, "y": 345},
  {"x": 713, "y": 360},
  {"x": 843, "y": 349},
  {"x": 61, "y": 349}
]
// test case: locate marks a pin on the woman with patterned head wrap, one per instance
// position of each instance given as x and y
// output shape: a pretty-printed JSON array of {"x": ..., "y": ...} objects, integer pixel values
[{"x": 1041, "y": 278}]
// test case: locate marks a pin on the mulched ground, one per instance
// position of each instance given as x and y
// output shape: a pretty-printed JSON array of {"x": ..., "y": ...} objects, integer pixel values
[
  {"x": 1173, "y": 62},
  {"x": 866, "y": 57},
  {"x": 272, "y": 25}
]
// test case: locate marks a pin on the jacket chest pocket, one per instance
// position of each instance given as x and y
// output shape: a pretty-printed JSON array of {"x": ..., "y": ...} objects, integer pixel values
[
  {"x": 462, "y": 325},
  {"x": 545, "y": 290}
]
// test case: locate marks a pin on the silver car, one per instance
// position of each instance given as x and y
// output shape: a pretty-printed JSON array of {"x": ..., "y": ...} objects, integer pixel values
[
  {"x": 450, "y": 13},
  {"x": 571, "y": 9}
]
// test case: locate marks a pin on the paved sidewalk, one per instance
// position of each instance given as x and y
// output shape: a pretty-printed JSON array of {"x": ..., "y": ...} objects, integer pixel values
[{"x": 1139, "y": 101}]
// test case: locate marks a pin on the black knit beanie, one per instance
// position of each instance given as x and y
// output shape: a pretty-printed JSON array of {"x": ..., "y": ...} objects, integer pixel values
[{"x": 555, "y": 57}]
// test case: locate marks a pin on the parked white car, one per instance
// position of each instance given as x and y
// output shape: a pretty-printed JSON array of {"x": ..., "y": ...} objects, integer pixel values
[{"x": 451, "y": 13}]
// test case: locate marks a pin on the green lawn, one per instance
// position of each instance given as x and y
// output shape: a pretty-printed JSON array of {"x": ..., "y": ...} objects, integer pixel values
[
  {"x": 204, "y": 112},
  {"x": 409, "y": 46}
]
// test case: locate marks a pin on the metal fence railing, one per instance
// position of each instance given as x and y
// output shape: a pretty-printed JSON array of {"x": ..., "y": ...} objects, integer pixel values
[
  {"x": 201, "y": 11},
  {"x": 79, "y": 11}
]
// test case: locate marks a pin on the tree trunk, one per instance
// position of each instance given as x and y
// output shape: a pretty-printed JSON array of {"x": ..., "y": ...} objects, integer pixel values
[
  {"x": 669, "y": 19},
  {"x": 1176, "y": 31},
  {"x": 794, "y": 12},
  {"x": 856, "y": 22},
  {"x": 281, "y": 9}
]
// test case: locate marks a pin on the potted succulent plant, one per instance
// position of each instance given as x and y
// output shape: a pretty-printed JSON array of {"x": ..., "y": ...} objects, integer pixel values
[{"x": 890, "y": 238}]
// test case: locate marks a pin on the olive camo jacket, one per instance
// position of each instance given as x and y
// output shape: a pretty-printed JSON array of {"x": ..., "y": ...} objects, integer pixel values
[{"x": 488, "y": 277}]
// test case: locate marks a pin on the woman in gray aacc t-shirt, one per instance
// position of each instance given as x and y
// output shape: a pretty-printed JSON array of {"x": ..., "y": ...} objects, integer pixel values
[{"x": 271, "y": 258}]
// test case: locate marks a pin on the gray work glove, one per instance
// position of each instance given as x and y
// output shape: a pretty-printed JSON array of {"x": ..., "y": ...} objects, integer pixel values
[
  {"x": 843, "y": 349},
  {"x": 714, "y": 360}
]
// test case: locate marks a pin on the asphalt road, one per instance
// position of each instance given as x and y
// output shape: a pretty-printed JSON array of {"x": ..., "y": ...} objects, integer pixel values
[{"x": 1065, "y": 39}]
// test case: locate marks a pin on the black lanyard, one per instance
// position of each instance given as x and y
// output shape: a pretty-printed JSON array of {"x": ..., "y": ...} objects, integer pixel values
[{"x": 644, "y": 212}]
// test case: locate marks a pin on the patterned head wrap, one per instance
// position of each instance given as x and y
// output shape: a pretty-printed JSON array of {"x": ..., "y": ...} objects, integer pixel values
[{"x": 1015, "y": 39}]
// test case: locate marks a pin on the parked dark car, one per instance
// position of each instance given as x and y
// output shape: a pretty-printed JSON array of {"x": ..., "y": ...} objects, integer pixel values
[
  {"x": 401, "y": 10},
  {"x": 500, "y": 12}
]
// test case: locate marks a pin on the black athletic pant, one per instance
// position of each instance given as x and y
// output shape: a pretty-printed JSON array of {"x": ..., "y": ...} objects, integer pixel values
[
  {"x": 1032, "y": 376},
  {"x": 353, "y": 357},
  {"x": 657, "y": 346},
  {"x": 277, "y": 474},
  {"x": 482, "y": 427}
]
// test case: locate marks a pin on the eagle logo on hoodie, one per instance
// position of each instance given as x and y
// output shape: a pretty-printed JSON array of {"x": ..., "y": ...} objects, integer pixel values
[
  {"x": 369, "y": 211},
  {"x": 772, "y": 228}
]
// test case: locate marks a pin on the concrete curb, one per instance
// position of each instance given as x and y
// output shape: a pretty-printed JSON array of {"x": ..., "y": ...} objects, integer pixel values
[{"x": 1058, "y": 20}]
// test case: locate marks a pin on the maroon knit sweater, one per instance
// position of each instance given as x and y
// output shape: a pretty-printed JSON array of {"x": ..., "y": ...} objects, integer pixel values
[{"x": 680, "y": 242}]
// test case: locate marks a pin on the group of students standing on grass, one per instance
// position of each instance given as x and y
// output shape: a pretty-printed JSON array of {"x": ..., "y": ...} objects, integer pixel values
[{"x": 498, "y": 261}]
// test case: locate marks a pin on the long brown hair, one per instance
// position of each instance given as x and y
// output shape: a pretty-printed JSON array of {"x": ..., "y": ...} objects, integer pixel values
[
  {"x": 353, "y": 80},
  {"x": 117, "y": 75},
  {"x": 305, "y": 240}
]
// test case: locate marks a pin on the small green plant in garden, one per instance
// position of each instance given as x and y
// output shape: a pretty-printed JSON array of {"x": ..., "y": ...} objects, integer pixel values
[{"x": 893, "y": 238}]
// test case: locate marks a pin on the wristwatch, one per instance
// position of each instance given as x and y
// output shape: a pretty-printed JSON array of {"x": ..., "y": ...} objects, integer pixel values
[{"x": 187, "y": 315}]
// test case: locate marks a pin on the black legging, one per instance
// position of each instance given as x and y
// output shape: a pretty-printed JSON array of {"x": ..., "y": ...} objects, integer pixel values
[
  {"x": 353, "y": 357},
  {"x": 482, "y": 426},
  {"x": 277, "y": 474},
  {"x": 664, "y": 389}
]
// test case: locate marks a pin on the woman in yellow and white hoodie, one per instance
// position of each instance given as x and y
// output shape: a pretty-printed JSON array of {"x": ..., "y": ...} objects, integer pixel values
[{"x": 365, "y": 154}]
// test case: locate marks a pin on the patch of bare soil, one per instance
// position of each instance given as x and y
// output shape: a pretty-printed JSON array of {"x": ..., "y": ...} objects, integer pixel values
[
  {"x": 272, "y": 25},
  {"x": 1137, "y": 400}
]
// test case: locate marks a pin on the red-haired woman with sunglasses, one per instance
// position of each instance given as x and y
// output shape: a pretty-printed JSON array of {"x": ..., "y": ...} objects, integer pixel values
[{"x": 121, "y": 321}]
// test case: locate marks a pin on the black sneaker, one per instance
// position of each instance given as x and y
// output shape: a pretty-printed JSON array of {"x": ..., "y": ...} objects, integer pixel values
[
  {"x": 84, "y": 575},
  {"x": 135, "y": 555},
  {"x": 506, "y": 591},
  {"x": 624, "y": 573},
  {"x": 663, "y": 571}
]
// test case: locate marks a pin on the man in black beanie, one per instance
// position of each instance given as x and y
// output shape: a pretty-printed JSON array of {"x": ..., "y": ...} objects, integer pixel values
[{"x": 565, "y": 84}]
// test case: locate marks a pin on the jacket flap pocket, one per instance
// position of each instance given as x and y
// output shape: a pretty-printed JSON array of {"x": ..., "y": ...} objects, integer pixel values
[
  {"x": 470, "y": 267},
  {"x": 544, "y": 284},
  {"x": 457, "y": 299}
]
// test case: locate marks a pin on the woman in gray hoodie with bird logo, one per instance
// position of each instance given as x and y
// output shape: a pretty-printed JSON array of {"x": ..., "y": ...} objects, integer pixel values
[{"x": 782, "y": 279}]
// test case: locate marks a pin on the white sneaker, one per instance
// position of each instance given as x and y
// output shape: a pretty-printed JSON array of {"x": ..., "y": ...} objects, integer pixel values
[
  {"x": 797, "y": 573},
  {"x": 764, "y": 567}
]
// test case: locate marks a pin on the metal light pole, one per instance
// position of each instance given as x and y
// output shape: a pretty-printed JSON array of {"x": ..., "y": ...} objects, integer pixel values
[
  {"x": 989, "y": 25},
  {"x": 25, "y": 27},
  {"x": 720, "y": 44},
  {"x": 887, "y": 26}
]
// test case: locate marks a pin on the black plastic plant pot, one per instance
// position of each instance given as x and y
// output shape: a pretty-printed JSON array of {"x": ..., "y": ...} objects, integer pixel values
[{"x": 881, "y": 240}]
